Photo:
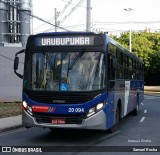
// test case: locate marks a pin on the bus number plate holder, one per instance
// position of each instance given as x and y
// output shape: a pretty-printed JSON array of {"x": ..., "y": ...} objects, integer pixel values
[{"x": 58, "y": 121}]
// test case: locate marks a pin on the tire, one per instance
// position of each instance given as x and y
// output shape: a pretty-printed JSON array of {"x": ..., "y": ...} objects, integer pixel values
[
  {"x": 115, "y": 126},
  {"x": 136, "y": 110}
]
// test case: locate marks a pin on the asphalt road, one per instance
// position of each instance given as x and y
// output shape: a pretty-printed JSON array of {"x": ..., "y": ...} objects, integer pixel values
[{"x": 137, "y": 132}]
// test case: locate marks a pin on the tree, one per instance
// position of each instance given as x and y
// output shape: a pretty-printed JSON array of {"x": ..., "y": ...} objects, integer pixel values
[{"x": 146, "y": 46}]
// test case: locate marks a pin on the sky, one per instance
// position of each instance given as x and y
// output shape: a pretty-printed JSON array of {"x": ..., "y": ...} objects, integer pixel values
[{"x": 106, "y": 15}]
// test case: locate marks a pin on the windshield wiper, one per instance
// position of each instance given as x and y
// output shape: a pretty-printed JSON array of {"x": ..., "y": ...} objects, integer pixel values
[{"x": 70, "y": 66}]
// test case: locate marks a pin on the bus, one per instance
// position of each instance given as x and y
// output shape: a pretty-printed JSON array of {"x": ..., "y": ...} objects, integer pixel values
[{"x": 78, "y": 80}]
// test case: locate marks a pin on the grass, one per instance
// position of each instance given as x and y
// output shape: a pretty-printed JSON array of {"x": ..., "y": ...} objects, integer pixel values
[{"x": 8, "y": 109}]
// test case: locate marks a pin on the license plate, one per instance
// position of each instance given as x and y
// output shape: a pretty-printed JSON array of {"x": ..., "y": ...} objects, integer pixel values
[{"x": 58, "y": 121}]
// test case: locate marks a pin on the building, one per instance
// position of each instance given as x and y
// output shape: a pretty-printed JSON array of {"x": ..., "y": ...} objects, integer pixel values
[
  {"x": 14, "y": 31},
  {"x": 15, "y": 22}
]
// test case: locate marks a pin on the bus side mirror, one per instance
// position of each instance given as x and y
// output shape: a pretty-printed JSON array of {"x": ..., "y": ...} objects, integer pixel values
[
  {"x": 16, "y": 63},
  {"x": 114, "y": 63}
]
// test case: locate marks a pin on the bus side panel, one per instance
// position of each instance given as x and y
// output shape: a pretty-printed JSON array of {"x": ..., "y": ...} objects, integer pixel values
[
  {"x": 135, "y": 91},
  {"x": 110, "y": 110},
  {"x": 141, "y": 91}
]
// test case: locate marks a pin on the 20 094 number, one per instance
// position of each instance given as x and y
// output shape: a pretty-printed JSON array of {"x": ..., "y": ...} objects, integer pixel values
[{"x": 75, "y": 109}]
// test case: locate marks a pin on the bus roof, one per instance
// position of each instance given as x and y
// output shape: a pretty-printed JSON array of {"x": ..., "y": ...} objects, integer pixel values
[{"x": 82, "y": 33}]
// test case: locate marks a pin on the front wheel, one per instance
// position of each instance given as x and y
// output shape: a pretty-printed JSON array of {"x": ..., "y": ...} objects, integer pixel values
[{"x": 115, "y": 126}]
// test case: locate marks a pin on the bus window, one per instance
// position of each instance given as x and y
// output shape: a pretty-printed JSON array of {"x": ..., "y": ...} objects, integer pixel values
[
  {"x": 112, "y": 48},
  {"x": 125, "y": 60},
  {"x": 126, "y": 73},
  {"x": 134, "y": 64},
  {"x": 111, "y": 71},
  {"x": 119, "y": 72},
  {"x": 120, "y": 57},
  {"x": 130, "y": 63}
]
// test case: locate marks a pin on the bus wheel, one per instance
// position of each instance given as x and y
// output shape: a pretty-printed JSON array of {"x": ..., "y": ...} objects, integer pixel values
[
  {"x": 135, "y": 111},
  {"x": 115, "y": 127}
]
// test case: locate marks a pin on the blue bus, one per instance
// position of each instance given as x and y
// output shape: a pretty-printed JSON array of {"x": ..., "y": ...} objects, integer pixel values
[{"x": 78, "y": 80}]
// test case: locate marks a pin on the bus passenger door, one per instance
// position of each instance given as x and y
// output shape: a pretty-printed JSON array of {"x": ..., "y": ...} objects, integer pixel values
[{"x": 111, "y": 91}]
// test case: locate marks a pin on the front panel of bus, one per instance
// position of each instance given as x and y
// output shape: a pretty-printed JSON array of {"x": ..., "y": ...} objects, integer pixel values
[{"x": 65, "y": 81}]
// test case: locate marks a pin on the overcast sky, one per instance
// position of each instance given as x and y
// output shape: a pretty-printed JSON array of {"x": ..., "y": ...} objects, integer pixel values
[{"x": 106, "y": 15}]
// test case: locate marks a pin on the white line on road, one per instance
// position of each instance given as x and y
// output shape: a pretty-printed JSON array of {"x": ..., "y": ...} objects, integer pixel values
[
  {"x": 142, "y": 104},
  {"x": 145, "y": 111},
  {"x": 151, "y": 97},
  {"x": 143, "y": 118},
  {"x": 98, "y": 141}
]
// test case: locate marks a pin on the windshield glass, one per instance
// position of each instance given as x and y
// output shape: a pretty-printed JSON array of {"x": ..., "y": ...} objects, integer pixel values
[{"x": 70, "y": 71}]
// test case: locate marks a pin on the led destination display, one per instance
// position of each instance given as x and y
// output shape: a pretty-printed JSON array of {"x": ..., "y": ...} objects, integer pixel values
[{"x": 68, "y": 41}]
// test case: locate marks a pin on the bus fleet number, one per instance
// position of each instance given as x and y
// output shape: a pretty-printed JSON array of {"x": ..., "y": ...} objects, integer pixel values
[{"x": 75, "y": 109}]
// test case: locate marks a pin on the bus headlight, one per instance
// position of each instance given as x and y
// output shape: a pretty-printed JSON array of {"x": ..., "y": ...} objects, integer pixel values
[
  {"x": 26, "y": 107},
  {"x": 91, "y": 111},
  {"x": 99, "y": 106},
  {"x": 95, "y": 109},
  {"x": 25, "y": 104}
]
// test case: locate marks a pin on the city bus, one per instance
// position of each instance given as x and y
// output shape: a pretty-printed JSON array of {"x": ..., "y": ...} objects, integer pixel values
[{"x": 78, "y": 80}]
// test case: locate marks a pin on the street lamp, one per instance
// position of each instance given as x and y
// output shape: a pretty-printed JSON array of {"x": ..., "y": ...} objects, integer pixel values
[{"x": 130, "y": 33}]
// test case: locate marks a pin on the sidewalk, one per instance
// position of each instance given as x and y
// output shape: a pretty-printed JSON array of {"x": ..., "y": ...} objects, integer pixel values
[
  {"x": 152, "y": 90},
  {"x": 155, "y": 89},
  {"x": 10, "y": 123}
]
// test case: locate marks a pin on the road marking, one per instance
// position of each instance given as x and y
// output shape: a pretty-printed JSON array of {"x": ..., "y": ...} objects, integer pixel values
[
  {"x": 95, "y": 143},
  {"x": 151, "y": 97},
  {"x": 143, "y": 118},
  {"x": 142, "y": 104},
  {"x": 145, "y": 111},
  {"x": 13, "y": 131}
]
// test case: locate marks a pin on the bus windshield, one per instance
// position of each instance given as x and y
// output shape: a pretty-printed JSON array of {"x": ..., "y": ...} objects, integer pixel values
[{"x": 65, "y": 71}]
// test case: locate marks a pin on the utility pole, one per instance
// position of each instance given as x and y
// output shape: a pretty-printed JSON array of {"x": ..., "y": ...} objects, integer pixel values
[
  {"x": 88, "y": 22},
  {"x": 55, "y": 11},
  {"x": 130, "y": 32}
]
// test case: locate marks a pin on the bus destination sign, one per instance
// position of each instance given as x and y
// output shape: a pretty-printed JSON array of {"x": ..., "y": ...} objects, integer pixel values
[{"x": 66, "y": 41}]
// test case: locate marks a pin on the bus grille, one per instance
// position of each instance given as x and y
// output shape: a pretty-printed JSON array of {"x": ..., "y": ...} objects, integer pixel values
[
  {"x": 60, "y": 97},
  {"x": 69, "y": 119}
]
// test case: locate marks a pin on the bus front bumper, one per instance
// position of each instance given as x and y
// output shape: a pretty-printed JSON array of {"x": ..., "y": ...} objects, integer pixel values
[{"x": 95, "y": 122}]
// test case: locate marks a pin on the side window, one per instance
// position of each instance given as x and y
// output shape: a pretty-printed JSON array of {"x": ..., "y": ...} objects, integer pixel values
[
  {"x": 111, "y": 71},
  {"x": 119, "y": 71},
  {"x": 126, "y": 73},
  {"x": 125, "y": 61},
  {"x": 130, "y": 63},
  {"x": 112, "y": 49}
]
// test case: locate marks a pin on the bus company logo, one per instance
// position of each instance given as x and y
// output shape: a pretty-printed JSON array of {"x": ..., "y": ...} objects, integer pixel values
[
  {"x": 40, "y": 108},
  {"x": 52, "y": 109},
  {"x": 43, "y": 109},
  {"x": 59, "y": 101}
]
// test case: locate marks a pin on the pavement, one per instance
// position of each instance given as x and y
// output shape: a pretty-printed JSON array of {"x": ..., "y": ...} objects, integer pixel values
[
  {"x": 15, "y": 122},
  {"x": 10, "y": 123}
]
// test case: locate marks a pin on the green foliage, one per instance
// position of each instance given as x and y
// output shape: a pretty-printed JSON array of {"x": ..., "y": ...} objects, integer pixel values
[{"x": 146, "y": 46}]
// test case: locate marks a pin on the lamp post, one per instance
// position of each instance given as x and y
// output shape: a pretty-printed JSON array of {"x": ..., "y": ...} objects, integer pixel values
[
  {"x": 130, "y": 32},
  {"x": 88, "y": 19}
]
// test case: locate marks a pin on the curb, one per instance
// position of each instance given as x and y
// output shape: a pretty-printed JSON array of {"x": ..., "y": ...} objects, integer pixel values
[
  {"x": 151, "y": 92},
  {"x": 10, "y": 128}
]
